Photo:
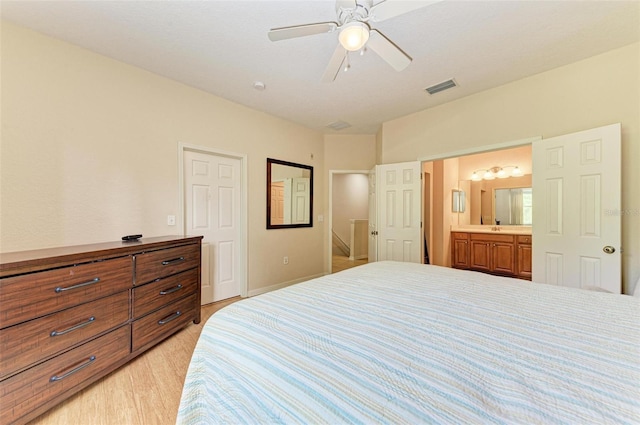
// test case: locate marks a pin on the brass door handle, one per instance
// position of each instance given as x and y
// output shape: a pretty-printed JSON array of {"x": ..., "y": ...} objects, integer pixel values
[{"x": 609, "y": 249}]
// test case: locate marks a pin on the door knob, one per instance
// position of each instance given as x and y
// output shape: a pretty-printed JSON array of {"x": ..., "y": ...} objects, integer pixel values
[{"x": 609, "y": 249}]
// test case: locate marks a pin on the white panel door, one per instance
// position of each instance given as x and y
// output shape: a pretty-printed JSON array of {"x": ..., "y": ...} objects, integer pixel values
[
  {"x": 399, "y": 212},
  {"x": 373, "y": 217},
  {"x": 300, "y": 200},
  {"x": 213, "y": 199},
  {"x": 576, "y": 209}
]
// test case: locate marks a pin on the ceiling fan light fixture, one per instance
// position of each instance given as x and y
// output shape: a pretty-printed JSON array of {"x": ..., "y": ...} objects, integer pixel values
[{"x": 354, "y": 35}]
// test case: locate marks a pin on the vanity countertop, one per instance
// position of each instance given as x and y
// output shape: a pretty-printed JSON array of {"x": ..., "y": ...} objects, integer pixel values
[{"x": 505, "y": 230}]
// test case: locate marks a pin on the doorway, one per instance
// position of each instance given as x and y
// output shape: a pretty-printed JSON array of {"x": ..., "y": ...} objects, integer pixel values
[
  {"x": 213, "y": 202},
  {"x": 452, "y": 172},
  {"x": 348, "y": 218}
]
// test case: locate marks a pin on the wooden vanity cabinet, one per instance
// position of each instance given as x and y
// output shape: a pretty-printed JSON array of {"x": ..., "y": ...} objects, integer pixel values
[
  {"x": 71, "y": 315},
  {"x": 493, "y": 253},
  {"x": 524, "y": 256},
  {"x": 460, "y": 250}
]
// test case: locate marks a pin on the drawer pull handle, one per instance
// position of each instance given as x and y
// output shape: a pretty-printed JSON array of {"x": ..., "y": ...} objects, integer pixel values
[
  {"x": 55, "y": 378},
  {"x": 79, "y": 285},
  {"x": 169, "y": 318},
  {"x": 171, "y": 291},
  {"x": 175, "y": 260},
  {"x": 73, "y": 328}
]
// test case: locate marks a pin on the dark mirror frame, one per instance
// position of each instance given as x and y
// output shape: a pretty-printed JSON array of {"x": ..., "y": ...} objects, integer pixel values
[{"x": 271, "y": 161}]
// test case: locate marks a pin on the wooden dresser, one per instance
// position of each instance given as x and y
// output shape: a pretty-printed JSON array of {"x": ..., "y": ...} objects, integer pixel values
[
  {"x": 495, "y": 253},
  {"x": 71, "y": 315}
]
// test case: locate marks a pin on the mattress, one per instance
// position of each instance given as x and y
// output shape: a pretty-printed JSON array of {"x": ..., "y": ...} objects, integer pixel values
[{"x": 404, "y": 343}]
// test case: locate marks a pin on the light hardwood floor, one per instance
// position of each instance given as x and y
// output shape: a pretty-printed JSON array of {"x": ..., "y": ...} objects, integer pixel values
[
  {"x": 340, "y": 262},
  {"x": 145, "y": 391}
]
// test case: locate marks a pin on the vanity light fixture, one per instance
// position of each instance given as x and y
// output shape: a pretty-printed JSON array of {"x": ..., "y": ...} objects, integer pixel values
[
  {"x": 496, "y": 172},
  {"x": 517, "y": 172}
]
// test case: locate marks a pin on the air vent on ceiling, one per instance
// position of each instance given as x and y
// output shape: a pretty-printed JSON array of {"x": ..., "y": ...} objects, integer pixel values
[
  {"x": 338, "y": 125},
  {"x": 445, "y": 85}
]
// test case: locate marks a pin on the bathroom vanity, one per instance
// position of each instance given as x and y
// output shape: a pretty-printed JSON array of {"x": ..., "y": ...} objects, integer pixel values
[{"x": 504, "y": 251}]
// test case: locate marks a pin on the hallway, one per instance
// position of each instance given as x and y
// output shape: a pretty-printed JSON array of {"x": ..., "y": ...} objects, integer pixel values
[{"x": 341, "y": 262}]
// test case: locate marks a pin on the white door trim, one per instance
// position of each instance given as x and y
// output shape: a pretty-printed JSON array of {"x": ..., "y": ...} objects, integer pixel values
[
  {"x": 330, "y": 220},
  {"x": 181, "y": 223},
  {"x": 481, "y": 149}
]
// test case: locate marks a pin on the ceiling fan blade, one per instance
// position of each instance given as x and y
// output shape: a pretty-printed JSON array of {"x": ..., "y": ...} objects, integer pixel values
[
  {"x": 284, "y": 33},
  {"x": 388, "y": 51},
  {"x": 390, "y": 8},
  {"x": 335, "y": 64}
]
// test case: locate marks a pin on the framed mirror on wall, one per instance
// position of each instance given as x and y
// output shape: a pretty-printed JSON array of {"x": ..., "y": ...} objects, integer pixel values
[{"x": 289, "y": 194}]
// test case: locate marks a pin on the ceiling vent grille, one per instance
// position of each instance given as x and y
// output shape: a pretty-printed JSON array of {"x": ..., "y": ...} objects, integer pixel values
[
  {"x": 445, "y": 85},
  {"x": 338, "y": 125}
]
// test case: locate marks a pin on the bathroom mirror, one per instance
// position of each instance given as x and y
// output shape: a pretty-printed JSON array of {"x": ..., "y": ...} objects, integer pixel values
[
  {"x": 513, "y": 206},
  {"x": 289, "y": 194},
  {"x": 481, "y": 200}
]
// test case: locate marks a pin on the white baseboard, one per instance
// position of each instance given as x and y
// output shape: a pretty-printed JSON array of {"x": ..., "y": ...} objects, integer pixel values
[{"x": 281, "y": 285}]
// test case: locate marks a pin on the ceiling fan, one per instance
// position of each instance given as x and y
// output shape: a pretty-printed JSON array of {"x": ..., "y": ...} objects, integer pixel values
[{"x": 353, "y": 21}]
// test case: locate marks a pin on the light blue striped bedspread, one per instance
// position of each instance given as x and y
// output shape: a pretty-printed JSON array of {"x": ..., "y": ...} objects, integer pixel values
[{"x": 399, "y": 343}]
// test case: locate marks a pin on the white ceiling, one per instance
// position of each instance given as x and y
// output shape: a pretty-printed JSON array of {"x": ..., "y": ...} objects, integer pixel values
[{"x": 222, "y": 47}]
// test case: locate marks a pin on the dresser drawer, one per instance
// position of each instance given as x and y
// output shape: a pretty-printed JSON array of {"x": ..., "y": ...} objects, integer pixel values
[
  {"x": 32, "y": 341},
  {"x": 165, "y": 262},
  {"x": 154, "y": 295},
  {"x": 163, "y": 322},
  {"x": 32, "y": 295},
  {"x": 34, "y": 387}
]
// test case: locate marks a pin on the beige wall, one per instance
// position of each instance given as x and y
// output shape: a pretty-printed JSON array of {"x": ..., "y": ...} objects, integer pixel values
[
  {"x": 601, "y": 90},
  {"x": 444, "y": 177},
  {"x": 349, "y": 152},
  {"x": 89, "y": 153}
]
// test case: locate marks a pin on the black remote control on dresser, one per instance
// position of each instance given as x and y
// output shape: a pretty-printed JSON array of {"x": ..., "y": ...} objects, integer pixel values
[{"x": 131, "y": 238}]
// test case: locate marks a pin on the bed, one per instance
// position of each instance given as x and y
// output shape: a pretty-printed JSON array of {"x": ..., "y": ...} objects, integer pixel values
[{"x": 403, "y": 343}]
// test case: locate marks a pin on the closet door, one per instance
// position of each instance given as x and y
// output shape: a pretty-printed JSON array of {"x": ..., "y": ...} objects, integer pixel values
[{"x": 576, "y": 210}]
